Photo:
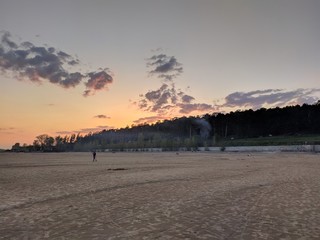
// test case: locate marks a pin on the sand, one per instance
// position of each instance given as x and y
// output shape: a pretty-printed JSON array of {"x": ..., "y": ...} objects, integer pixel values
[{"x": 160, "y": 196}]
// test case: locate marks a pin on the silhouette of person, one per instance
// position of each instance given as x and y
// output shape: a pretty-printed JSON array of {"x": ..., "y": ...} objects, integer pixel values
[{"x": 94, "y": 156}]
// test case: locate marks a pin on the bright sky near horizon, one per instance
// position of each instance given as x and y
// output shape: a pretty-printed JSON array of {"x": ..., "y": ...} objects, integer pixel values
[{"x": 79, "y": 66}]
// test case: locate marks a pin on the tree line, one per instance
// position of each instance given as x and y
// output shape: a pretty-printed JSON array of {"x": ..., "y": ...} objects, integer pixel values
[{"x": 189, "y": 132}]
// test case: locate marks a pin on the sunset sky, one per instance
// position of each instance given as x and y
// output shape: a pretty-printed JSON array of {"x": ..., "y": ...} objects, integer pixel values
[{"x": 78, "y": 66}]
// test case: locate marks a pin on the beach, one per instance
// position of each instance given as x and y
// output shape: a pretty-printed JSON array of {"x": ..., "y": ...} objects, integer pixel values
[{"x": 165, "y": 195}]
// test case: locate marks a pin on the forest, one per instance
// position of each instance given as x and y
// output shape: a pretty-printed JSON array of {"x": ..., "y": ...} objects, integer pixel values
[{"x": 262, "y": 126}]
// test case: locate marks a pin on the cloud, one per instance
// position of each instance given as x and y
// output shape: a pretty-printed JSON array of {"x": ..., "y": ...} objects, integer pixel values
[
  {"x": 101, "y": 116},
  {"x": 171, "y": 102},
  {"x": 167, "y": 100},
  {"x": 164, "y": 67},
  {"x": 97, "y": 81},
  {"x": 86, "y": 130},
  {"x": 67, "y": 132},
  {"x": 150, "y": 119},
  {"x": 159, "y": 49},
  {"x": 8, "y": 130},
  {"x": 6, "y": 40},
  {"x": 96, "y": 129},
  {"x": 187, "y": 98},
  {"x": 160, "y": 98},
  {"x": 39, "y": 64},
  {"x": 270, "y": 98},
  {"x": 157, "y": 100},
  {"x": 186, "y": 108}
]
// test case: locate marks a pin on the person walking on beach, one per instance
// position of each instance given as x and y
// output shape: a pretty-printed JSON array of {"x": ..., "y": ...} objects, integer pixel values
[{"x": 94, "y": 156}]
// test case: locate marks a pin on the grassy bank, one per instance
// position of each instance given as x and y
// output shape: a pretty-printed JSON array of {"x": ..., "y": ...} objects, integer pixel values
[{"x": 272, "y": 141}]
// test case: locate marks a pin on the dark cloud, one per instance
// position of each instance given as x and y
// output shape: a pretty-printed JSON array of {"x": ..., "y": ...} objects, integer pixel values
[
  {"x": 72, "y": 80},
  {"x": 142, "y": 104},
  {"x": 97, "y": 81},
  {"x": 73, "y": 62},
  {"x": 164, "y": 67},
  {"x": 167, "y": 99},
  {"x": 270, "y": 98},
  {"x": 160, "y": 99},
  {"x": 101, "y": 116},
  {"x": 38, "y": 64},
  {"x": 187, "y": 98},
  {"x": 6, "y": 40},
  {"x": 61, "y": 54}
]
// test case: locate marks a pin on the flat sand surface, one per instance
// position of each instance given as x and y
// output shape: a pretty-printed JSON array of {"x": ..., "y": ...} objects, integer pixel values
[{"x": 160, "y": 196}]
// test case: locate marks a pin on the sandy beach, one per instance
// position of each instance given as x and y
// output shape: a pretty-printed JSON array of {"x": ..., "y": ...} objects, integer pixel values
[{"x": 160, "y": 196}]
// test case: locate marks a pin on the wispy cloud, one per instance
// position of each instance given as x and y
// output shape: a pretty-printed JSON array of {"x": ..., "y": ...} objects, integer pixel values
[
  {"x": 39, "y": 64},
  {"x": 102, "y": 116},
  {"x": 187, "y": 108},
  {"x": 7, "y": 130},
  {"x": 86, "y": 130},
  {"x": 150, "y": 119},
  {"x": 270, "y": 98}
]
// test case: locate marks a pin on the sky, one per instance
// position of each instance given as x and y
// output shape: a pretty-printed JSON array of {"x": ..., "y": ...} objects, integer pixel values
[{"x": 80, "y": 66}]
